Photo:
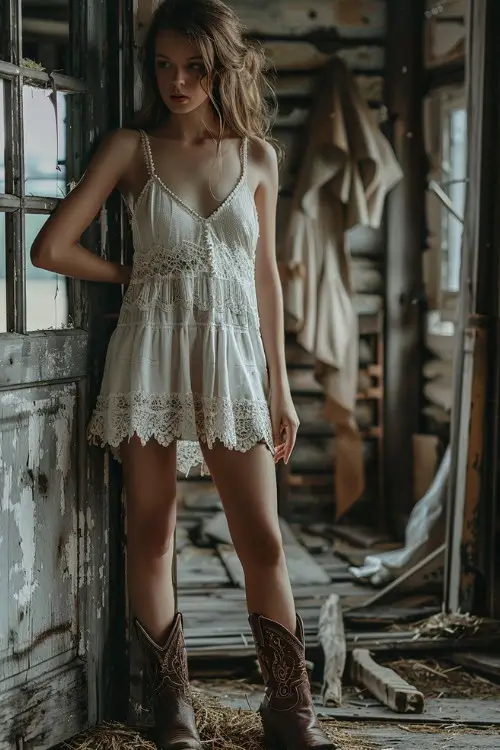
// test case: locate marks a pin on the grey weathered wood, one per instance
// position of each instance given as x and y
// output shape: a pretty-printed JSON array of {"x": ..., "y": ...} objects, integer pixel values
[
  {"x": 303, "y": 56},
  {"x": 198, "y": 495},
  {"x": 366, "y": 276},
  {"x": 331, "y": 635},
  {"x": 401, "y": 737},
  {"x": 443, "y": 711},
  {"x": 282, "y": 18},
  {"x": 39, "y": 528},
  {"x": 303, "y": 381},
  {"x": 313, "y": 454},
  {"x": 303, "y": 86},
  {"x": 216, "y": 528},
  {"x": 42, "y": 357},
  {"x": 482, "y": 663},
  {"x": 367, "y": 242},
  {"x": 383, "y": 683},
  {"x": 368, "y": 304},
  {"x": 51, "y": 709},
  {"x": 429, "y": 562},
  {"x": 302, "y": 568},
  {"x": 200, "y": 567}
]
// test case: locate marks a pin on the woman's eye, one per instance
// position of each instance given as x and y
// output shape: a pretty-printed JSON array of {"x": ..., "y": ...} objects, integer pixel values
[{"x": 199, "y": 67}]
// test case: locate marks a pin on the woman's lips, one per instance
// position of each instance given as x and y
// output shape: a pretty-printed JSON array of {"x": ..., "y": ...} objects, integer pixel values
[{"x": 179, "y": 98}]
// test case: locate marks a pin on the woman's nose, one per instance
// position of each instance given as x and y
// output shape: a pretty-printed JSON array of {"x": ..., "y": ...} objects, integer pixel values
[{"x": 179, "y": 77}]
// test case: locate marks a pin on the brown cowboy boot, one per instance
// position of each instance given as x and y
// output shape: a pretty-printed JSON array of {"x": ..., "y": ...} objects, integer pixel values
[
  {"x": 175, "y": 727},
  {"x": 288, "y": 717}
]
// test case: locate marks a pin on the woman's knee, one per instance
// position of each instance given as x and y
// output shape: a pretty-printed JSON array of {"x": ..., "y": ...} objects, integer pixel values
[
  {"x": 151, "y": 523},
  {"x": 152, "y": 534},
  {"x": 263, "y": 550}
]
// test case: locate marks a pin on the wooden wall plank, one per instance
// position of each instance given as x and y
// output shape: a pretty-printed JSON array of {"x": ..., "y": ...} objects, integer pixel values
[
  {"x": 303, "y": 56},
  {"x": 303, "y": 86},
  {"x": 445, "y": 32},
  {"x": 54, "y": 695},
  {"x": 348, "y": 18}
]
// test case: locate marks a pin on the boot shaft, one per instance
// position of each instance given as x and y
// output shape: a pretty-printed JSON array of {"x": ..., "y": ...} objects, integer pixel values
[
  {"x": 166, "y": 664},
  {"x": 281, "y": 656}
]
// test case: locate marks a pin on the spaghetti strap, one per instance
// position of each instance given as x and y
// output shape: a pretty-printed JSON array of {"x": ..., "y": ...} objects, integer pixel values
[
  {"x": 148, "y": 156},
  {"x": 244, "y": 156}
]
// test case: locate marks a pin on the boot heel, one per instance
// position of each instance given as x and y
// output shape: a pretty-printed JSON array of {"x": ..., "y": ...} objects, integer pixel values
[{"x": 272, "y": 742}]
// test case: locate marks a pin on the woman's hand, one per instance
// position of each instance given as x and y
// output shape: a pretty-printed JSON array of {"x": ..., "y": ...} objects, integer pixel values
[{"x": 285, "y": 423}]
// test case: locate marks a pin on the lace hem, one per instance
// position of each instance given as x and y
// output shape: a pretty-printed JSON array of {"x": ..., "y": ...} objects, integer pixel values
[{"x": 189, "y": 418}]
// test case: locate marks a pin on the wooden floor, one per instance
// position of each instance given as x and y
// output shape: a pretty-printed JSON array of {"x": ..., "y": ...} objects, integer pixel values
[
  {"x": 211, "y": 593},
  {"x": 446, "y": 724}
]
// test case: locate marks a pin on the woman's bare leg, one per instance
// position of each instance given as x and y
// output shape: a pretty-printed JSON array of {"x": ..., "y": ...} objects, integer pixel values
[
  {"x": 246, "y": 483},
  {"x": 150, "y": 486}
]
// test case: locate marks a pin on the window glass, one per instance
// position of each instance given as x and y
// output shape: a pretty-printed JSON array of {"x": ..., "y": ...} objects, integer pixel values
[
  {"x": 44, "y": 142},
  {"x": 454, "y": 183}
]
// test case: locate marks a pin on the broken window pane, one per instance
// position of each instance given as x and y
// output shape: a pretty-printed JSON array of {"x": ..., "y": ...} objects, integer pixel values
[
  {"x": 46, "y": 292},
  {"x": 44, "y": 142},
  {"x": 2, "y": 137},
  {"x": 3, "y": 284},
  {"x": 46, "y": 34},
  {"x": 454, "y": 167}
]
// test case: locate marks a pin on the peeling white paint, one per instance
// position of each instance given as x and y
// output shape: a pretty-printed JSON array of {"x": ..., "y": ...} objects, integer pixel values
[
  {"x": 63, "y": 428},
  {"x": 25, "y": 520},
  {"x": 7, "y": 485}
]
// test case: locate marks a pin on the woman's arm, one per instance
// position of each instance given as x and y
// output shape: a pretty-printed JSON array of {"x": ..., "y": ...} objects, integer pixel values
[
  {"x": 57, "y": 248},
  {"x": 269, "y": 293},
  {"x": 270, "y": 302}
]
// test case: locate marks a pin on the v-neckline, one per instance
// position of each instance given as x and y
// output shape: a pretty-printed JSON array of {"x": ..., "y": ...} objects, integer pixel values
[{"x": 203, "y": 219}]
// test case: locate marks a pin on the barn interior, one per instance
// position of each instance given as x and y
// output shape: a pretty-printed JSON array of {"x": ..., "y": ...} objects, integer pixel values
[{"x": 389, "y": 506}]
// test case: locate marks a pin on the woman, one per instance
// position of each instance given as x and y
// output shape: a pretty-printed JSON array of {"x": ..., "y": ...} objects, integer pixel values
[{"x": 195, "y": 371}]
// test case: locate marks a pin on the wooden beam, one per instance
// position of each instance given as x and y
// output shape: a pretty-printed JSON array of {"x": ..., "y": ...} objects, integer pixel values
[
  {"x": 383, "y": 683},
  {"x": 405, "y": 243}
]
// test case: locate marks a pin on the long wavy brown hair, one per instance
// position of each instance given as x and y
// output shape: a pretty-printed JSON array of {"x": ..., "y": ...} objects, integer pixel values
[{"x": 237, "y": 79}]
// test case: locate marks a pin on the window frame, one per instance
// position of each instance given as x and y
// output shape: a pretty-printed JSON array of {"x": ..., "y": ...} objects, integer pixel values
[{"x": 14, "y": 203}]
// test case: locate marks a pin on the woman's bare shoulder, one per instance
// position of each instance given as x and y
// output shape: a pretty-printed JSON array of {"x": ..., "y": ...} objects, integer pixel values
[
  {"x": 124, "y": 141},
  {"x": 263, "y": 157},
  {"x": 262, "y": 152}
]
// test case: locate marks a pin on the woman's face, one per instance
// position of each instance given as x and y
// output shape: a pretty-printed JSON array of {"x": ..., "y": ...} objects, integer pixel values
[{"x": 180, "y": 72}]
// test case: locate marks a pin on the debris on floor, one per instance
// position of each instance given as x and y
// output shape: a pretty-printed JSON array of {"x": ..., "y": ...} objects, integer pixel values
[
  {"x": 385, "y": 684},
  {"x": 454, "y": 625},
  {"x": 442, "y": 679}
]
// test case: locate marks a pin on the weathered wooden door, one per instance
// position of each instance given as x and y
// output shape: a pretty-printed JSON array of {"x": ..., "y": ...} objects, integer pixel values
[{"x": 54, "y": 492}]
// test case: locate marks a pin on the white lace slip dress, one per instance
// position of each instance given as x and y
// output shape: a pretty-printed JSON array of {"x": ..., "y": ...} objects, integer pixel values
[{"x": 186, "y": 361}]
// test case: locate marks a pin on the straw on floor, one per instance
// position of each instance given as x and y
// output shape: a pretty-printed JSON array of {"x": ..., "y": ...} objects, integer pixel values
[{"x": 220, "y": 728}]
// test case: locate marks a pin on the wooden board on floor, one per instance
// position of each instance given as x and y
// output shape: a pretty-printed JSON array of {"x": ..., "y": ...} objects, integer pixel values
[
  {"x": 302, "y": 567},
  {"x": 485, "y": 664},
  {"x": 470, "y": 711},
  {"x": 200, "y": 567},
  {"x": 405, "y": 737}
]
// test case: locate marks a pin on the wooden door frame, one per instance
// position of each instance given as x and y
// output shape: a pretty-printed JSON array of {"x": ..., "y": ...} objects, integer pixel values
[
  {"x": 98, "y": 60},
  {"x": 471, "y": 576}
]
